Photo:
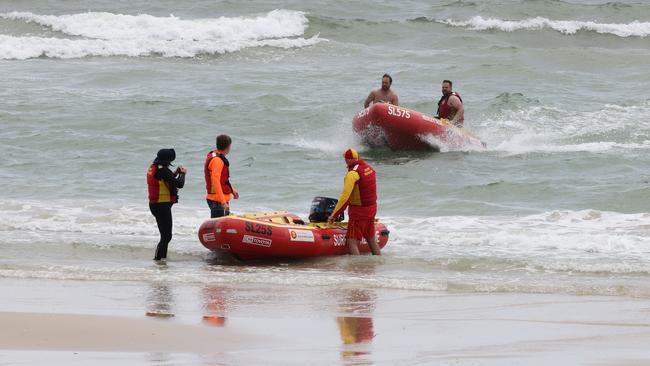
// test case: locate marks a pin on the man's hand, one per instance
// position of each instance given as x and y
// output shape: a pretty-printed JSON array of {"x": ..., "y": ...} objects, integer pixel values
[
  {"x": 330, "y": 220},
  {"x": 235, "y": 194}
]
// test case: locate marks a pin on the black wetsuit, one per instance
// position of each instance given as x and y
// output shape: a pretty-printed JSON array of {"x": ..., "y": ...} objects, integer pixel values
[{"x": 163, "y": 211}]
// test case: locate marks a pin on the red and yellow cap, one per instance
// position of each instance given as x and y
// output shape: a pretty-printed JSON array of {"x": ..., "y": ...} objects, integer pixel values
[{"x": 351, "y": 154}]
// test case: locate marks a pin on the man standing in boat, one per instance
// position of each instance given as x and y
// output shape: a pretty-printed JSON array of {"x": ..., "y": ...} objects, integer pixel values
[
  {"x": 450, "y": 105},
  {"x": 384, "y": 94},
  {"x": 360, "y": 193},
  {"x": 217, "y": 178}
]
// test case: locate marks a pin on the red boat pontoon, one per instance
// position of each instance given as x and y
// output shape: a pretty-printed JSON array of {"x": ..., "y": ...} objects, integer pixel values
[
  {"x": 400, "y": 128},
  {"x": 279, "y": 235}
]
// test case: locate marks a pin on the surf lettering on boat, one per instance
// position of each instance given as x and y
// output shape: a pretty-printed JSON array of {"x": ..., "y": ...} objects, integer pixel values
[{"x": 363, "y": 112}]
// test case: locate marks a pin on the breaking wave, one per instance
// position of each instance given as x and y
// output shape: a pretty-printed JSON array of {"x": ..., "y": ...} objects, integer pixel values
[
  {"x": 632, "y": 29},
  {"x": 108, "y": 34}
]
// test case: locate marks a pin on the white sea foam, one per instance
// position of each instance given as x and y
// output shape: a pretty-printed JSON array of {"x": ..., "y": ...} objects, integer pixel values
[
  {"x": 544, "y": 129},
  {"x": 107, "y": 34},
  {"x": 632, "y": 29},
  {"x": 528, "y": 143},
  {"x": 94, "y": 224},
  {"x": 557, "y": 251},
  {"x": 580, "y": 240},
  {"x": 446, "y": 145},
  {"x": 584, "y": 241},
  {"x": 329, "y": 140}
]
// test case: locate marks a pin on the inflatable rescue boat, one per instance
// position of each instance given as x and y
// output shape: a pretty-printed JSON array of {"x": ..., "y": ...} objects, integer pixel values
[
  {"x": 280, "y": 235},
  {"x": 400, "y": 128}
]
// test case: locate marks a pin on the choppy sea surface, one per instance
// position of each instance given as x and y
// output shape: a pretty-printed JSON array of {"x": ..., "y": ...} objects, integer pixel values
[{"x": 558, "y": 203}]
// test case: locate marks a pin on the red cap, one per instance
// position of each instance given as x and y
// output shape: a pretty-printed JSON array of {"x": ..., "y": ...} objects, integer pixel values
[{"x": 351, "y": 154}]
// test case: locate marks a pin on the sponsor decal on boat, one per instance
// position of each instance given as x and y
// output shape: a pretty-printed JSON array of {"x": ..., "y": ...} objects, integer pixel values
[
  {"x": 429, "y": 119},
  {"x": 339, "y": 240},
  {"x": 256, "y": 240},
  {"x": 301, "y": 235},
  {"x": 208, "y": 237}
]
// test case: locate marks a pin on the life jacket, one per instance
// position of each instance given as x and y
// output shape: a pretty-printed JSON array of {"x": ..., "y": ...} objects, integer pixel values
[
  {"x": 226, "y": 187},
  {"x": 366, "y": 185},
  {"x": 159, "y": 190},
  {"x": 444, "y": 109},
  {"x": 363, "y": 200}
]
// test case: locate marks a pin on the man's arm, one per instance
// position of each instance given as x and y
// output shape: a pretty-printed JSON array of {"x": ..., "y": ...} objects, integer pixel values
[
  {"x": 371, "y": 97},
  {"x": 348, "y": 185},
  {"x": 455, "y": 102},
  {"x": 395, "y": 100},
  {"x": 169, "y": 177}
]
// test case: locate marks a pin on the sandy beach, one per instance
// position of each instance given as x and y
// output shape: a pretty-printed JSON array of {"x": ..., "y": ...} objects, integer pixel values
[
  {"x": 81, "y": 332},
  {"x": 247, "y": 325}
]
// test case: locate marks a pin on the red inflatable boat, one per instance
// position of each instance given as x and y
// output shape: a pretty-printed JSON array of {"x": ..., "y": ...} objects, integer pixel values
[
  {"x": 399, "y": 128},
  {"x": 278, "y": 235}
]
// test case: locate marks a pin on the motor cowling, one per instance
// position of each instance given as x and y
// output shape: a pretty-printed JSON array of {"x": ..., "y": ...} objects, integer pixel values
[{"x": 322, "y": 208}]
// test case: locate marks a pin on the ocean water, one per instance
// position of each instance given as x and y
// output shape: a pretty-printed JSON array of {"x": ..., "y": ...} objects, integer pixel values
[{"x": 557, "y": 203}]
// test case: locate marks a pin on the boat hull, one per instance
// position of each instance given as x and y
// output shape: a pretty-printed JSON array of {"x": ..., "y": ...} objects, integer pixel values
[
  {"x": 279, "y": 235},
  {"x": 404, "y": 129}
]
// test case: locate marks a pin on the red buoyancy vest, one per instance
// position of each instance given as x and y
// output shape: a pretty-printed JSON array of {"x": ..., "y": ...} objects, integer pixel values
[
  {"x": 367, "y": 185},
  {"x": 444, "y": 109},
  {"x": 226, "y": 188},
  {"x": 159, "y": 190}
]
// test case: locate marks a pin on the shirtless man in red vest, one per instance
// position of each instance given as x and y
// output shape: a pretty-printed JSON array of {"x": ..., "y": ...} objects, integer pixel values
[
  {"x": 450, "y": 106},
  {"x": 383, "y": 95}
]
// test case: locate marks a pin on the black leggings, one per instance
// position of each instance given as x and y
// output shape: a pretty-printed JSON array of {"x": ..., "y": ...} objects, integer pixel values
[{"x": 163, "y": 214}]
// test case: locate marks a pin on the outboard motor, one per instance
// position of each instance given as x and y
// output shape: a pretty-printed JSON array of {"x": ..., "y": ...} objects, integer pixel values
[{"x": 322, "y": 208}]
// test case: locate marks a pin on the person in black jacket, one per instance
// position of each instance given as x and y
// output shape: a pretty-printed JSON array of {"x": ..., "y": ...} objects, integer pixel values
[{"x": 163, "y": 187}]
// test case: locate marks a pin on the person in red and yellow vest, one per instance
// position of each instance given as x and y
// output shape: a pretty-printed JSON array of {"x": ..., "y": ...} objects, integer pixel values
[
  {"x": 163, "y": 187},
  {"x": 360, "y": 194},
  {"x": 217, "y": 178},
  {"x": 450, "y": 105}
]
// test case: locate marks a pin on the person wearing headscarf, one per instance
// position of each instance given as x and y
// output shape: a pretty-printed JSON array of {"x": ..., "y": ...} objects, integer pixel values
[{"x": 163, "y": 184}]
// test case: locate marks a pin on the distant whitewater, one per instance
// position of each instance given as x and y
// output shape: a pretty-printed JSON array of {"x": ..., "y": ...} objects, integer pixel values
[
  {"x": 108, "y": 34},
  {"x": 632, "y": 29}
]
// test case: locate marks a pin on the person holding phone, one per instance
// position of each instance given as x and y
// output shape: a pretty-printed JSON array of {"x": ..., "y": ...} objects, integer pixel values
[{"x": 163, "y": 185}]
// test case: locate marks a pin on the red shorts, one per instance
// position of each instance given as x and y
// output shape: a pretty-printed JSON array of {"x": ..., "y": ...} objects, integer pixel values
[{"x": 359, "y": 229}]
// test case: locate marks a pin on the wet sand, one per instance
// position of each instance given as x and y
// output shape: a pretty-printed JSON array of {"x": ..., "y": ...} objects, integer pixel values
[
  {"x": 36, "y": 331},
  {"x": 134, "y": 323}
]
